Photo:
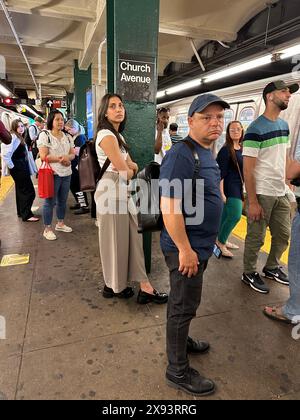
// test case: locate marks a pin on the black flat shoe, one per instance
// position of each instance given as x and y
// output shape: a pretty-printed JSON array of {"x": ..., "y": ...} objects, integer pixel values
[
  {"x": 75, "y": 207},
  {"x": 197, "y": 347},
  {"x": 110, "y": 294},
  {"x": 159, "y": 298},
  {"x": 82, "y": 210}
]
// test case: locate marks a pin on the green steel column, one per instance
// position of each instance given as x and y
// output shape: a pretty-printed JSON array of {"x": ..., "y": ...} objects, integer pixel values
[
  {"x": 82, "y": 82},
  {"x": 132, "y": 34}
]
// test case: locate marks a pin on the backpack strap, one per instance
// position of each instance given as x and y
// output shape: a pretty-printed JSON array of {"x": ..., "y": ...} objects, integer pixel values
[
  {"x": 192, "y": 147},
  {"x": 103, "y": 170}
]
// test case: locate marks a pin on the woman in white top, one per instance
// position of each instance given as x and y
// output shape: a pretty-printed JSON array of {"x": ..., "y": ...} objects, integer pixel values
[
  {"x": 121, "y": 248},
  {"x": 20, "y": 165},
  {"x": 57, "y": 149}
]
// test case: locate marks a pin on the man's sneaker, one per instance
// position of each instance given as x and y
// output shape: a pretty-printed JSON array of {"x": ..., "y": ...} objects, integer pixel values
[
  {"x": 256, "y": 283},
  {"x": 277, "y": 274},
  {"x": 192, "y": 383}
]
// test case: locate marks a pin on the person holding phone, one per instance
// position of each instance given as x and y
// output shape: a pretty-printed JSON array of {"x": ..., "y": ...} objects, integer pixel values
[{"x": 163, "y": 142}]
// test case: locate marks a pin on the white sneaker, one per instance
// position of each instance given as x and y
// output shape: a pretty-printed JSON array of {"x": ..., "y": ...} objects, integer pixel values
[
  {"x": 49, "y": 235},
  {"x": 64, "y": 228}
]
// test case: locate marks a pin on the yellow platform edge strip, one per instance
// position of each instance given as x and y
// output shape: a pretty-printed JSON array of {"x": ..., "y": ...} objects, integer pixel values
[
  {"x": 241, "y": 232},
  {"x": 6, "y": 184}
]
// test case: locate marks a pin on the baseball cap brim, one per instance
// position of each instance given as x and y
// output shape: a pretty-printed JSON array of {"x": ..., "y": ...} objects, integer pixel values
[
  {"x": 224, "y": 104},
  {"x": 294, "y": 88}
]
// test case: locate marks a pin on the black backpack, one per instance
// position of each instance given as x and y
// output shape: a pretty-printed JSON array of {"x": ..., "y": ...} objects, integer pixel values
[
  {"x": 152, "y": 220},
  {"x": 89, "y": 168}
]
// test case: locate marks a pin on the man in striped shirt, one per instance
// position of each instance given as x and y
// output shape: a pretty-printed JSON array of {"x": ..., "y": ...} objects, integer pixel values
[{"x": 265, "y": 152}]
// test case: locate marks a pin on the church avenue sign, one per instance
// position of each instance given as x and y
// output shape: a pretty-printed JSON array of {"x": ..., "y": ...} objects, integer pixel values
[{"x": 136, "y": 78}]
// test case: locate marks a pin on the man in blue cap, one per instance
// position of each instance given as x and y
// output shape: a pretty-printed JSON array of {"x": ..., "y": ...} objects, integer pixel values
[{"x": 187, "y": 247}]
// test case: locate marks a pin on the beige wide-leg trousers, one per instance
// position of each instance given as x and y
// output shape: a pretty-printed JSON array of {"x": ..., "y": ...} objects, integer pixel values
[{"x": 121, "y": 246}]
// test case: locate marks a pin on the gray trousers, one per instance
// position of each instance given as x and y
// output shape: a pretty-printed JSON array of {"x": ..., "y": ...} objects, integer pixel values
[
  {"x": 121, "y": 246},
  {"x": 184, "y": 301},
  {"x": 278, "y": 218}
]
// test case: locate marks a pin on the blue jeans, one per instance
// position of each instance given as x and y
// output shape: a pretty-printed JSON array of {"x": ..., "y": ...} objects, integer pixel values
[
  {"x": 61, "y": 192},
  {"x": 292, "y": 308}
]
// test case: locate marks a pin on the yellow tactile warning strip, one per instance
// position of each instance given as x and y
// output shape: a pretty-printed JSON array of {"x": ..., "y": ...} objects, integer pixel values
[
  {"x": 12, "y": 260},
  {"x": 241, "y": 232},
  {"x": 6, "y": 184}
]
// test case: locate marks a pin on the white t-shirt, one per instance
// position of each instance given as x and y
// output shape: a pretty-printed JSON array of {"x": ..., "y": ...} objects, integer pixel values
[
  {"x": 166, "y": 146},
  {"x": 100, "y": 153},
  {"x": 57, "y": 148}
]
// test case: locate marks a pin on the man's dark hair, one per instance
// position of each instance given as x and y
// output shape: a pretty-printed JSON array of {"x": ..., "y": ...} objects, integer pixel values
[
  {"x": 51, "y": 118},
  {"x": 163, "y": 111},
  {"x": 174, "y": 127}
]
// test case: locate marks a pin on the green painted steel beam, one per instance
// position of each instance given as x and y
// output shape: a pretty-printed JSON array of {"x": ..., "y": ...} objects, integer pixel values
[
  {"x": 132, "y": 31},
  {"x": 82, "y": 82}
]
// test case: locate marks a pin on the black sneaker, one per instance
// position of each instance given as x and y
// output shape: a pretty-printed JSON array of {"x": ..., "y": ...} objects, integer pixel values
[
  {"x": 277, "y": 274},
  {"x": 256, "y": 283},
  {"x": 192, "y": 383}
]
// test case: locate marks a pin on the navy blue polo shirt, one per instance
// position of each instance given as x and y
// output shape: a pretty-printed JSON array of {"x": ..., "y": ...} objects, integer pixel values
[
  {"x": 179, "y": 163},
  {"x": 233, "y": 186}
]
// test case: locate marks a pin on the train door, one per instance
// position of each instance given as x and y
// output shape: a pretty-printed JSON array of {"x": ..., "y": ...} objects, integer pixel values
[{"x": 5, "y": 118}]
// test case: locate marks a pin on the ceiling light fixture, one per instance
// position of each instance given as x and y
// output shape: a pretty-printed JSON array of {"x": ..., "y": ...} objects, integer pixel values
[
  {"x": 5, "y": 92},
  {"x": 184, "y": 86},
  {"x": 290, "y": 52},
  {"x": 230, "y": 71}
]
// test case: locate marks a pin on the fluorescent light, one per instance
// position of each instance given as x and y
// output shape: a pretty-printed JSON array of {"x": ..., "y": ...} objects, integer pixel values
[
  {"x": 5, "y": 92},
  {"x": 184, "y": 86},
  {"x": 230, "y": 71},
  {"x": 30, "y": 110},
  {"x": 290, "y": 52},
  {"x": 161, "y": 94}
]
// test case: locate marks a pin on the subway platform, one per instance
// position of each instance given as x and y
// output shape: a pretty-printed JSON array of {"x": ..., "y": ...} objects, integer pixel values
[{"x": 64, "y": 341}]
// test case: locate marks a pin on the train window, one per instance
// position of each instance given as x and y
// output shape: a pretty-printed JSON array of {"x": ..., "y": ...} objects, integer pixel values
[
  {"x": 229, "y": 116},
  {"x": 6, "y": 120},
  {"x": 247, "y": 116},
  {"x": 183, "y": 125}
]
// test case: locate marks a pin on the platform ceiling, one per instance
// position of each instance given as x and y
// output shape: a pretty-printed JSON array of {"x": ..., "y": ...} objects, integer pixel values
[{"x": 56, "y": 32}]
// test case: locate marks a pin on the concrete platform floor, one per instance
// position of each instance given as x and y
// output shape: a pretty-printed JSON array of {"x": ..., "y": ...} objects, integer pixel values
[{"x": 64, "y": 341}]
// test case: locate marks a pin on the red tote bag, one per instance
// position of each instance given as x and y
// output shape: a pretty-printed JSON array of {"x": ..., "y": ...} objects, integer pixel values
[{"x": 46, "y": 181}]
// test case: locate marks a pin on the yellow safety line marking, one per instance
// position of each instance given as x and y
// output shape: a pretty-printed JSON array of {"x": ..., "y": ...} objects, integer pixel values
[
  {"x": 6, "y": 184},
  {"x": 241, "y": 232},
  {"x": 12, "y": 260}
]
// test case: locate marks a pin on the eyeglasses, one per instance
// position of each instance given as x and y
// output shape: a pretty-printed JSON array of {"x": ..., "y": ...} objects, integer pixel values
[
  {"x": 235, "y": 130},
  {"x": 208, "y": 118}
]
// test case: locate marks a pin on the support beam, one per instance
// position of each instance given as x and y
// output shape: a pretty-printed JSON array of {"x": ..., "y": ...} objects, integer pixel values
[
  {"x": 196, "y": 32},
  {"x": 58, "y": 11},
  {"x": 94, "y": 35}
]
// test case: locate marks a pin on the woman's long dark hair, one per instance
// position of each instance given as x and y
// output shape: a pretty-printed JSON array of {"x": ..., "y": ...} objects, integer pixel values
[
  {"x": 230, "y": 143},
  {"x": 104, "y": 124},
  {"x": 14, "y": 130}
]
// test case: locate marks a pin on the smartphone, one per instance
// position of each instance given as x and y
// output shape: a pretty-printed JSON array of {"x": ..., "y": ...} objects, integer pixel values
[{"x": 217, "y": 252}]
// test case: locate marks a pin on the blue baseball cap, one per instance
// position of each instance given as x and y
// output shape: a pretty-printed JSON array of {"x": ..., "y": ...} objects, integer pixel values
[{"x": 203, "y": 101}]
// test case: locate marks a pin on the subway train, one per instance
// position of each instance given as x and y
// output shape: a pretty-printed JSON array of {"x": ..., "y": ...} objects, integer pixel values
[
  {"x": 7, "y": 116},
  {"x": 246, "y": 105}
]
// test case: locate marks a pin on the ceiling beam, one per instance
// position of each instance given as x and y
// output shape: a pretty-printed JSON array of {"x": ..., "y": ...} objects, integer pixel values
[
  {"x": 41, "y": 43},
  {"x": 94, "y": 35},
  {"x": 196, "y": 32},
  {"x": 58, "y": 11}
]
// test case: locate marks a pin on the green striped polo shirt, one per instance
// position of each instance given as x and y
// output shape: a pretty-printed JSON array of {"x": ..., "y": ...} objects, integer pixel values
[{"x": 268, "y": 141}]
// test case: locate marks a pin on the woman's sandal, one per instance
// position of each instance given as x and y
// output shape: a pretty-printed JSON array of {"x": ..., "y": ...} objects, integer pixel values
[{"x": 274, "y": 314}]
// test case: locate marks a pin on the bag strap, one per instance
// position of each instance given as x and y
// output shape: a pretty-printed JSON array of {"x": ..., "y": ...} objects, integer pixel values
[
  {"x": 103, "y": 170},
  {"x": 192, "y": 147},
  {"x": 239, "y": 169}
]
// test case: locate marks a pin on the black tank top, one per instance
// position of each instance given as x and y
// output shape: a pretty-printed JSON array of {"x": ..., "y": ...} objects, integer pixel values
[{"x": 20, "y": 159}]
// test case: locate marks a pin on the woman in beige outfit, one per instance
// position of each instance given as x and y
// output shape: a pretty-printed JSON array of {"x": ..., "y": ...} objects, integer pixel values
[{"x": 121, "y": 247}]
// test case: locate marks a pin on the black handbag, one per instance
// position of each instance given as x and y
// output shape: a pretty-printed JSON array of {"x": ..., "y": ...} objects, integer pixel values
[
  {"x": 89, "y": 169},
  {"x": 151, "y": 220}
]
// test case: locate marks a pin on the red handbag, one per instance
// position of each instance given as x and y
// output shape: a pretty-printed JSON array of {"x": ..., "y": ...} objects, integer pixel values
[{"x": 46, "y": 181}]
